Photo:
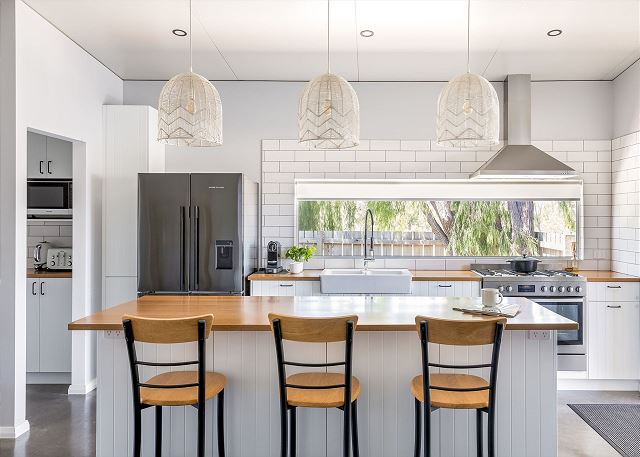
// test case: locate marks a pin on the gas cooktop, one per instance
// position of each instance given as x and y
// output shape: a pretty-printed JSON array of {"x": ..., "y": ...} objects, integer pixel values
[{"x": 539, "y": 283}]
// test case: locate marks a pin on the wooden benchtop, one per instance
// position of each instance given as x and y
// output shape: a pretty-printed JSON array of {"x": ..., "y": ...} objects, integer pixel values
[
  {"x": 374, "y": 313},
  {"x": 39, "y": 274},
  {"x": 442, "y": 275},
  {"x": 607, "y": 276},
  {"x": 418, "y": 275}
]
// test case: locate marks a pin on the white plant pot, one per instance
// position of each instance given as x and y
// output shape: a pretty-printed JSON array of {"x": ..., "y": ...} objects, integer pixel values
[{"x": 296, "y": 267}]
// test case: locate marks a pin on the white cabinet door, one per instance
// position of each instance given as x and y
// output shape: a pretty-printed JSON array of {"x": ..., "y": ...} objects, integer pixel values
[
  {"x": 59, "y": 159},
  {"x": 55, "y": 315},
  {"x": 36, "y": 155},
  {"x": 33, "y": 325},
  {"x": 307, "y": 288},
  {"x": 614, "y": 340}
]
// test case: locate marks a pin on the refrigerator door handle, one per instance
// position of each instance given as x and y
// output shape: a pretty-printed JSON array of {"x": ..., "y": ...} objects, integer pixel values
[
  {"x": 196, "y": 253},
  {"x": 182, "y": 250}
]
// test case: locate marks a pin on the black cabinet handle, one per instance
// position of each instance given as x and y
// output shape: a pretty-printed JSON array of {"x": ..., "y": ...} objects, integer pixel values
[
  {"x": 614, "y": 306},
  {"x": 49, "y": 166},
  {"x": 33, "y": 288},
  {"x": 614, "y": 287},
  {"x": 41, "y": 164},
  {"x": 286, "y": 285},
  {"x": 42, "y": 288},
  {"x": 445, "y": 285}
]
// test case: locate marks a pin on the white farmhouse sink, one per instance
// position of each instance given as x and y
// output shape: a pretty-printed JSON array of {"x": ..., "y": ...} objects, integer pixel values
[{"x": 359, "y": 281}]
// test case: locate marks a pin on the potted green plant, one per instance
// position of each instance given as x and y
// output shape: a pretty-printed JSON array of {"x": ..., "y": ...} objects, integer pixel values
[{"x": 299, "y": 255}]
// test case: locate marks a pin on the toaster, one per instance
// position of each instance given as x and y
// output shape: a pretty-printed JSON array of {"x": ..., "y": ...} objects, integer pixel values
[{"x": 59, "y": 259}]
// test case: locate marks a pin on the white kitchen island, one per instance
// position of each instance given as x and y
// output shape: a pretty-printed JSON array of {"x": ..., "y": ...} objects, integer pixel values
[{"x": 386, "y": 357}]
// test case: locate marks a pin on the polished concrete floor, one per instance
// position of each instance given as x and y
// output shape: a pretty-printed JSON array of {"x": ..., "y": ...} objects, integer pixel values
[
  {"x": 64, "y": 426},
  {"x": 61, "y": 425}
]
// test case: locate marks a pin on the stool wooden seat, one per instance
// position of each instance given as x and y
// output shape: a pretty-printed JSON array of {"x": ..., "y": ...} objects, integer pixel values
[
  {"x": 316, "y": 389},
  {"x": 325, "y": 398},
  {"x": 182, "y": 396},
  {"x": 173, "y": 388},
  {"x": 432, "y": 391},
  {"x": 452, "y": 399}
]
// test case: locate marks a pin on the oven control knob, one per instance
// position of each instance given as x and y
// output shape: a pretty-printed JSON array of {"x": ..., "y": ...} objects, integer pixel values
[
  {"x": 552, "y": 288},
  {"x": 560, "y": 288},
  {"x": 578, "y": 289},
  {"x": 509, "y": 288},
  {"x": 543, "y": 288},
  {"x": 501, "y": 289},
  {"x": 569, "y": 289}
]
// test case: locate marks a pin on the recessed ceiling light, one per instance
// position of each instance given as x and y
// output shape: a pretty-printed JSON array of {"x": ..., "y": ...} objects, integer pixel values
[
  {"x": 179, "y": 32},
  {"x": 554, "y": 32},
  {"x": 366, "y": 33}
]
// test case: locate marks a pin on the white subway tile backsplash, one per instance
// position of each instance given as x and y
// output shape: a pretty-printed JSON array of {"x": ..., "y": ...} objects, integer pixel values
[
  {"x": 287, "y": 160},
  {"x": 370, "y": 156},
  {"x": 401, "y": 156}
]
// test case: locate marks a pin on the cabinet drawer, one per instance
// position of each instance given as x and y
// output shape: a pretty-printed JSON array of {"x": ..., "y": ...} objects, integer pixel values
[{"x": 621, "y": 291}]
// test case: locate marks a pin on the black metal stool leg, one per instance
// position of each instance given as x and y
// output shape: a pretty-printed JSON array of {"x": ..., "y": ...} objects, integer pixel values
[
  {"x": 221, "y": 452},
  {"x": 427, "y": 429},
  {"x": 137, "y": 429},
  {"x": 292, "y": 432},
  {"x": 418, "y": 429},
  {"x": 491, "y": 425},
  {"x": 354, "y": 429},
  {"x": 346, "y": 436},
  {"x": 201, "y": 430},
  {"x": 284, "y": 426},
  {"x": 479, "y": 432},
  {"x": 158, "y": 431}
]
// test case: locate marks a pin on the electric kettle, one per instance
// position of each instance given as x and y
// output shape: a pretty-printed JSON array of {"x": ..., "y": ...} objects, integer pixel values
[{"x": 40, "y": 255}]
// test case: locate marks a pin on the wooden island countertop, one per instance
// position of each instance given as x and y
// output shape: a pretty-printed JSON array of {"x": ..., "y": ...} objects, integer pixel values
[
  {"x": 48, "y": 274},
  {"x": 395, "y": 313}
]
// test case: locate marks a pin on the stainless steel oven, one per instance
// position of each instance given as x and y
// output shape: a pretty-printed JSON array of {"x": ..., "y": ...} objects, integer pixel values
[
  {"x": 572, "y": 344},
  {"x": 49, "y": 199}
]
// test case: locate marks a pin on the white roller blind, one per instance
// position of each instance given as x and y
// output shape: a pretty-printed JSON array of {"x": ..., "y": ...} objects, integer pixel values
[{"x": 437, "y": 189}]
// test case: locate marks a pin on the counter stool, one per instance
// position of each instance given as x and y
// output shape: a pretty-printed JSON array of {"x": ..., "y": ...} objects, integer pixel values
[
  {"x": 176, "y": 388},
  {"x": 456, "y": 391},
  {"x": 316, "y": 389}
]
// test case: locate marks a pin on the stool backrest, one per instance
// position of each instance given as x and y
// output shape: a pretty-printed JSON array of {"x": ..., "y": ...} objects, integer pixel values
[
  {"x": 313, "y": 330},
  {"x": 460, "y": 333},
  {"x": 167, "y": 331}
]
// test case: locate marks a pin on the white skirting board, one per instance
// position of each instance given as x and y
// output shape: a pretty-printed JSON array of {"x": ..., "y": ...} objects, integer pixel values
[
  {"x": 12, "y": 433},
  {"x": 385, "y": 363}
]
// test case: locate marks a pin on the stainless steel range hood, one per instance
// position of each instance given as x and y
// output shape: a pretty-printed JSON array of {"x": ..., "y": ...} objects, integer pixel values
[{"x": 519, "y": 159}]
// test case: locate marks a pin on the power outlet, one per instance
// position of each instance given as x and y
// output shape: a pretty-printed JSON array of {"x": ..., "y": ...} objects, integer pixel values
[{"x": 539, "y": 334}]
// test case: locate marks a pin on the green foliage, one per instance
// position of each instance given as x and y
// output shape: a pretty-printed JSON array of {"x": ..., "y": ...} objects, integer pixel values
[
  {"x": 568, "y": 214},
  {"x": 299, "y": 253},
  {"x": 480, "y": 228}
]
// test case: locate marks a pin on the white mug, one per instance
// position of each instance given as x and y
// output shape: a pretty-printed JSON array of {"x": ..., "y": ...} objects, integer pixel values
[{"x": 491, "y": 297}]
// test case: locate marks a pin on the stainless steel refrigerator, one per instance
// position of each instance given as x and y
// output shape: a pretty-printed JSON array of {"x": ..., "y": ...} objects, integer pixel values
[{"x": 197, "y": 233}]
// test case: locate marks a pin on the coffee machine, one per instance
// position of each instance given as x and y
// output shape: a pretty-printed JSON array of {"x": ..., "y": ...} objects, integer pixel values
[{"x": 273, "y": 258}]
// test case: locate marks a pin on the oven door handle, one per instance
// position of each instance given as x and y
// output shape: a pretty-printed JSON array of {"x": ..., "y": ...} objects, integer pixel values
[{"x": 557, "y": 300}]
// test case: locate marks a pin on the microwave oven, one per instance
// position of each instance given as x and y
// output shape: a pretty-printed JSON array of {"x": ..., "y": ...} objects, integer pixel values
[{"x": 49, "y": 199}]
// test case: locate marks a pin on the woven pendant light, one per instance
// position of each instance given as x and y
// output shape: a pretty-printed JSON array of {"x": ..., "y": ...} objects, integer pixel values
[
  {"x": 328, "y": 110},
  {"x": 468, "y": 110},
  {"x": 189, "y": 109}
]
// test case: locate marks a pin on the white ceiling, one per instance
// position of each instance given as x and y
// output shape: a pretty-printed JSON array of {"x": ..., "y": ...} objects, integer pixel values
[{"x": 415, "y": 40}]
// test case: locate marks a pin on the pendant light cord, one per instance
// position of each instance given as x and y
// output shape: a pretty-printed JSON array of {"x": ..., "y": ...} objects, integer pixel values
[
  {"x": 328, "y": 37},
  {"x": 468, "y": 33},
  {"x": 190, "y": 41}
]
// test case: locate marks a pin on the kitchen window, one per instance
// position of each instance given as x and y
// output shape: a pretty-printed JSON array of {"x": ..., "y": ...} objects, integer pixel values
[{"x": 477, "y": 220}]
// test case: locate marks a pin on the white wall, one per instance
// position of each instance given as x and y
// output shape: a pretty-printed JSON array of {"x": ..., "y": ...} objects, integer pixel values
[
  {"x": 257, "y": 110},
  {"x": 59, "y": 90},
  {"x": 626, "y": 102}
]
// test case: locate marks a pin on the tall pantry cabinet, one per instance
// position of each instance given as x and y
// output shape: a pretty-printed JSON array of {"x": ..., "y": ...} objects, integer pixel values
[{"x": 131, "y": 147}]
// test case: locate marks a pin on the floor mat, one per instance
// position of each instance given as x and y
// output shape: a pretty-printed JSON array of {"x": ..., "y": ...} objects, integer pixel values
[{"x": 618, "y": 424}]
